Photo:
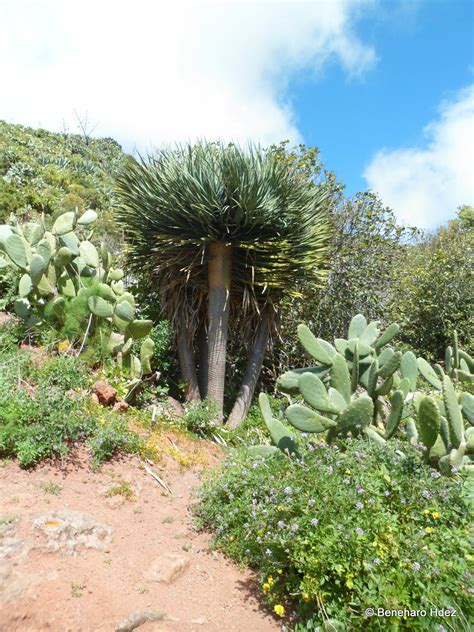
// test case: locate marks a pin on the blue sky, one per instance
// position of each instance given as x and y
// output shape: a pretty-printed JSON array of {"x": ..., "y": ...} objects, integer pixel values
[
  {"x": 425, "y": 55},
  {"x": 385, "y": 88}
]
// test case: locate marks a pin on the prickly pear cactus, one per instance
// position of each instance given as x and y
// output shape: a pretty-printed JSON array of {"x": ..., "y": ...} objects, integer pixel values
[
  {"x": 341, "y": 393},
  {"x": 362, "y": 386},
  {"x": 458, "y": 365},
  {"x": 59, "y": 264}
]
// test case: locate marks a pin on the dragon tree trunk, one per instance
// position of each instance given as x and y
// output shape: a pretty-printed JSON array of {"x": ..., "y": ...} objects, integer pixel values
[
  {"x": 252, "y": 371},
  {"x": 203, "y": 360},
  {"x": 219, "y": 274},
  {"x": 187, "y": 364}
]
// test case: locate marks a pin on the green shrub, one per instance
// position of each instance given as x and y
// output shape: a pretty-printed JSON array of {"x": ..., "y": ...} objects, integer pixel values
[
  {"x": 39, "y": 427},
  {"x": 367, "y": 250},
  {"x": 162, "y": 336},
  {"x": 434, "y": 291},
  {"x": 112, "y": 437},
  {"x": 11, "y": 334},
  {"x": 63, "y": 372},
  {"x": 8, "y": 288},
  {"x": 200, "y": 417},
  {"x": 38, "y": 420},
  {"x": 344, "y": 530},
  {"x": 42, "y": 171}
]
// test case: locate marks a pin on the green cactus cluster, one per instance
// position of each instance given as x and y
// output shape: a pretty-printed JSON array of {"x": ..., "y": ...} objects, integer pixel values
[
  {"x": 441, "y": 426},
  {"x": 443, "y": 417},
  {"x": 346, "y": 391},
  {"x": 60, "y": 264},
  {"x": 363, "y": 386},
  {"x": 458, "y": 365}
]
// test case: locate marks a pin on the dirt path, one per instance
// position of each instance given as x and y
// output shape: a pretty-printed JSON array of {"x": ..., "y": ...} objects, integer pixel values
[{"x": 76, "y": 557}]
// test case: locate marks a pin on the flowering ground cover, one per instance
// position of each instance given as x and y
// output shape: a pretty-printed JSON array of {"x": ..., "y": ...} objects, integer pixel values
[{"x": 345, "y": 530}]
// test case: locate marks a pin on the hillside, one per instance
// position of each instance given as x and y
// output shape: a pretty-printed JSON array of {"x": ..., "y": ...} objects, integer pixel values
[{"x": 46, "y": 172}]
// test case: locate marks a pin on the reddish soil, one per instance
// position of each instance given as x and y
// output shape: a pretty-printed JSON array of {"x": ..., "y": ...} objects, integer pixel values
[{"x": 93, "y": 590}]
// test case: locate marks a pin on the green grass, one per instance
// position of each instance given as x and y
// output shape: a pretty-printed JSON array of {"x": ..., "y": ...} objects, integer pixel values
[{"x": 51, "y": 488}]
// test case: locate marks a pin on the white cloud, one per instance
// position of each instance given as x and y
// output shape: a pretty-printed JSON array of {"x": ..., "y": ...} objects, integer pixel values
[
  {"x": 151, "y": 72},
  {"x": 425, "y": 185}
]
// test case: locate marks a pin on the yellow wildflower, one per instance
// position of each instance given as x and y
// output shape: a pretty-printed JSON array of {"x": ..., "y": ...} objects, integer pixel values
[
  {"x": 279, "y": 610},
  {"x": 279, "y": 571},
  {"x": 266, "y": 588},
  {"x": 436, "y": 515},
  {"x": 429, "y": 529},
  {"x": 63, "y": 346},
  {"x": 305, "y": 596},
  {"x": 426, "y": 512},
  {"x": 270, "y": 580},
  {"x": 347, "y": 472}
]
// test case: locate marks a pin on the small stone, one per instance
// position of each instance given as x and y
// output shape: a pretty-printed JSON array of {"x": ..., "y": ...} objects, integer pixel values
[
  {"x": 105, "y": 392},
  {"x": 121, "y": 406},
  {"x": 67, "y": 530},
  {"x": 200, "y": 621},
  {"x": 7, "y": 319},
  {"x": 38, "y": 355},
  {"x": 72, "y": 394},
  {"x": 167, "y": 568},
  {"x": 168, "y": 407},
  {"x": 139, "y": 618}
]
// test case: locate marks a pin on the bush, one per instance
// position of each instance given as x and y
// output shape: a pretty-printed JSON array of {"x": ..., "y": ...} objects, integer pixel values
[
  {"x": 40, "y": 427},
  {"x": 342, "y": 531},
  {"x": 62, "y": 372},
  {"x": 367, "y": 249},
  {"x": 434, "y": 295},
  {"x": 112, "y": 437},
  {"x": 200, "y": 417},
  {"x": 38, "y": 420},
  {"x": 47, "y": 172}
]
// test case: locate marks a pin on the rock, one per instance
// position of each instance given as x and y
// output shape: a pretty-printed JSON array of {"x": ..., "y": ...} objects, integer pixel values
[
  {"x": 176, "y": 407},
  {"x": 105, "y": 393},
  {"x": 95, "y": 399},
  {"x": 7, "y": 319},
  {"x": 121, "y": 406},
  {"x": 14, "y": 584},
  {"x": 167, "y": 568},
  {"x": 168, "y": 407},
  {"x": 10, "y": 545},
  {"x": 139, "y": 618},
  {"x": 67, "y": 530},
  {"x": 38, "y": 355},
  {"x": 72, "y": 394}
]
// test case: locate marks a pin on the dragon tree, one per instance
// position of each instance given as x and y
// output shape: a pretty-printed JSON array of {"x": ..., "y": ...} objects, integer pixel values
[{"x": 223, "y": 233}]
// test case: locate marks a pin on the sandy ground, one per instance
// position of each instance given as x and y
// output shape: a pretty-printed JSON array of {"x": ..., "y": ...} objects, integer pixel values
[{"x": 54, "y": 578}]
